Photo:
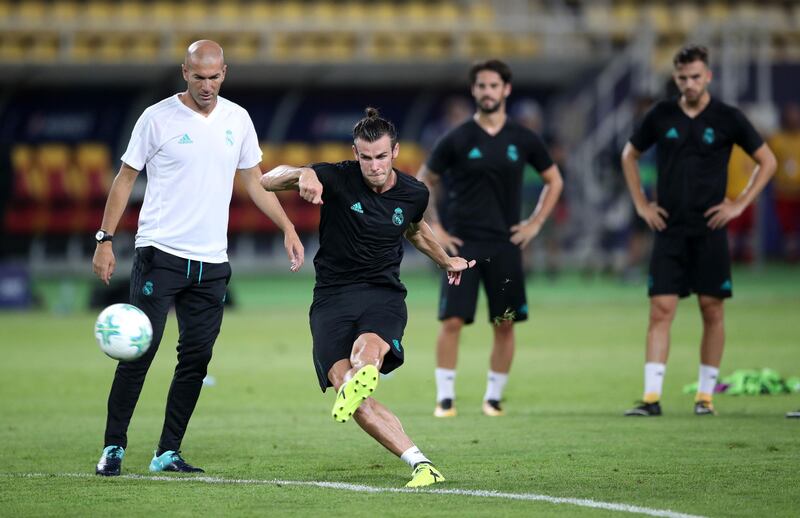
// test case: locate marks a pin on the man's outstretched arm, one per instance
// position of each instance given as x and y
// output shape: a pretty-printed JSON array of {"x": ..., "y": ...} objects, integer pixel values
[{"x": 302, "y": 179}]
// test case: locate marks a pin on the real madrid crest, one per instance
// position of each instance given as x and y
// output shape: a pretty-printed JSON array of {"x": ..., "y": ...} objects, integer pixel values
[{"x": 397, "y": 218}]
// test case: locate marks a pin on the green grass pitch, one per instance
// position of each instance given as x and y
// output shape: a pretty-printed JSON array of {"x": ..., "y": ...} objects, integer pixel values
[{"x": 578, "y": 367}]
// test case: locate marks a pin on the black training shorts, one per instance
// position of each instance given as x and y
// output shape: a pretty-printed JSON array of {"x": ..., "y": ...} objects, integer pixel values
[
  {"x": 684, "y": 264},
  {"x": 339, "y": 315},
  {"x": 499, "y": 267}
]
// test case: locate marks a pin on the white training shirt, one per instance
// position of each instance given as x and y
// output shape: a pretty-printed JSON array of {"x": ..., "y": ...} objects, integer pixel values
[{"x": 191, "y": 161}]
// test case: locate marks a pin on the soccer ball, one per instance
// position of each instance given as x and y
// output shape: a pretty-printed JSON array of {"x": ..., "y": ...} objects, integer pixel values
[{"x": 123, "y": 332}]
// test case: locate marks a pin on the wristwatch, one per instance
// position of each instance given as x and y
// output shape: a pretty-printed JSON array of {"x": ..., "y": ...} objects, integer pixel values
[{"x": 102, "y": 236}]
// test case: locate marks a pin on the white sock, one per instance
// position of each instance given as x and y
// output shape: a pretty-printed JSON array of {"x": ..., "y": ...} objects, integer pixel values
[
  {"x": 413, "y": 456},
  {"x": 495, "y": 383},
  {"x": 653, "y": 381},
  {"x": 707, "y": 380},
  {"x": 445, "y": 384}
]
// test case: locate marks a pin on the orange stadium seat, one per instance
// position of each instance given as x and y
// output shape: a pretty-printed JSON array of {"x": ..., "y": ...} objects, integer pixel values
[
  {"x": 333, "y": 152},
  {"x": 410, "y": 158},
  {"x": 94, "y": 166},
  {"x": 270, "y": 156},
  {"x": 55, "y": 159},
  {"x": 296, "y": 154}
]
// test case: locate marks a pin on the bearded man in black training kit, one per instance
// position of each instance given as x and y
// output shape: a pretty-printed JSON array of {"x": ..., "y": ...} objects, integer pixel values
[
  {"x": 358, "y": 315},
  {"x": 694, "y": 135},
  {"x": 477, "y": 169}
]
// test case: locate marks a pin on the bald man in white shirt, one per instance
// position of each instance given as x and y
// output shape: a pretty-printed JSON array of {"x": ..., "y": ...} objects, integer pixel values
[{"x": 192, "y": 144}]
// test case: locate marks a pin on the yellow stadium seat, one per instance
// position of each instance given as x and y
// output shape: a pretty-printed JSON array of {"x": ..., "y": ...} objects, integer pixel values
[
  {"x": 112, "y": 48},
  {"x": 355, "y": 12},
  {"x": 21, "y": 158},
  {"x": 524, "y": 45},
  {"x": 296, "y": 154},
  {"x": 433, "y": 46},
  {"x": 163, "y": 11},
  {"x": 130, "y": 13},
  {"x": 416, "y": 12},
  {"x": 54, "y": 156},
  {"x": 259, "y": 12},
  {"x": 718, "y": 11},
  {"x": 12, "y": 47},
  {"x": 625, "y": 17},
  {"x": 291, "y": 12},
  {"x": 388, "y": 46},
  {"x": 270, "y": 156},
  {"x": 193, "y": 11},
  {"x": 92, "y": 155},
  {"x": 144, "y": 47},
  {"x": 98, "y": 12},
  {"x": 64, "y": 11},
  {"x": 43, "y": 48},
  {"x": 384, "y": 13},
  {"x": 281, "y": 45},
  {"x": 243, "y": 48},
  {"x": 333, "y": 152},
  {"x": 324, "y": 12},
  {"x": 31, "y": 11},
  {"x": 445, "y": 14},
  {"x": 229, "y": 12},
  {"x": 660, "y": 18},
  {"x": 481, "y": 13},
  {"x": 410, "y": 158},
  {"x": 485, "y": 44},
  {"x": 337, "y": 46}
]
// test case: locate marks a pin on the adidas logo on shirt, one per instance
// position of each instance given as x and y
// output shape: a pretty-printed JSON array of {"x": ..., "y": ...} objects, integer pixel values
[
  {"x": 672, "y": 133},
  {"x": 474, "y": 154},
  {"x": 185, "y": 139},
  {"x": 357, "y": 207}
]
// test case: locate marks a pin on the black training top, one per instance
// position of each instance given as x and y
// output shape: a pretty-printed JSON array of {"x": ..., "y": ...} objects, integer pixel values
[
  {"x": 361, "y": 231},
  {"x": 484, "y": 177},
  {"x": 692, "y": 157}
]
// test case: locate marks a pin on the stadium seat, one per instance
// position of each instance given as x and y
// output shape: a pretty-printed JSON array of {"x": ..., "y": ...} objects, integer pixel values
[
  {"x": 717, "y": 11},
  {"x": 64, "y": 11},
  {"x": 29, "y": 185},
  {"x": 270, "y": 156},
  {"x": 99, "y": 13},
  {"x": 55, "y": 159},
  {"x": 43, "y": 47},
  {"x": 259, "y": 12},
  {"x": 131, "y": 13},
  {"x": 355, "y": 12},
  {"x": 480, "y": 13},
  {"x": 163, "y": 12},
  {"x": 296, "y": 154},
  {"x": 410, "y": 158},
  {"x": 31, "y": 11},
  {"x": 333, "y": 152},
  {"x": 244, "y": 47},
  {"x": 93, "y": 162},
  {"x": 385, "y": 47},
  {"x": 12, "y": 47}
]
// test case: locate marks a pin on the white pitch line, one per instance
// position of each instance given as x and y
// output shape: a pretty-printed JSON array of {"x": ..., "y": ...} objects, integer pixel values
[{"x": 580, "y": 502}]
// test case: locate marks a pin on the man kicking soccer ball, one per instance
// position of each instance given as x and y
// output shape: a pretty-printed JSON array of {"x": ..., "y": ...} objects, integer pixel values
[{"x": 358, "y": 314}]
